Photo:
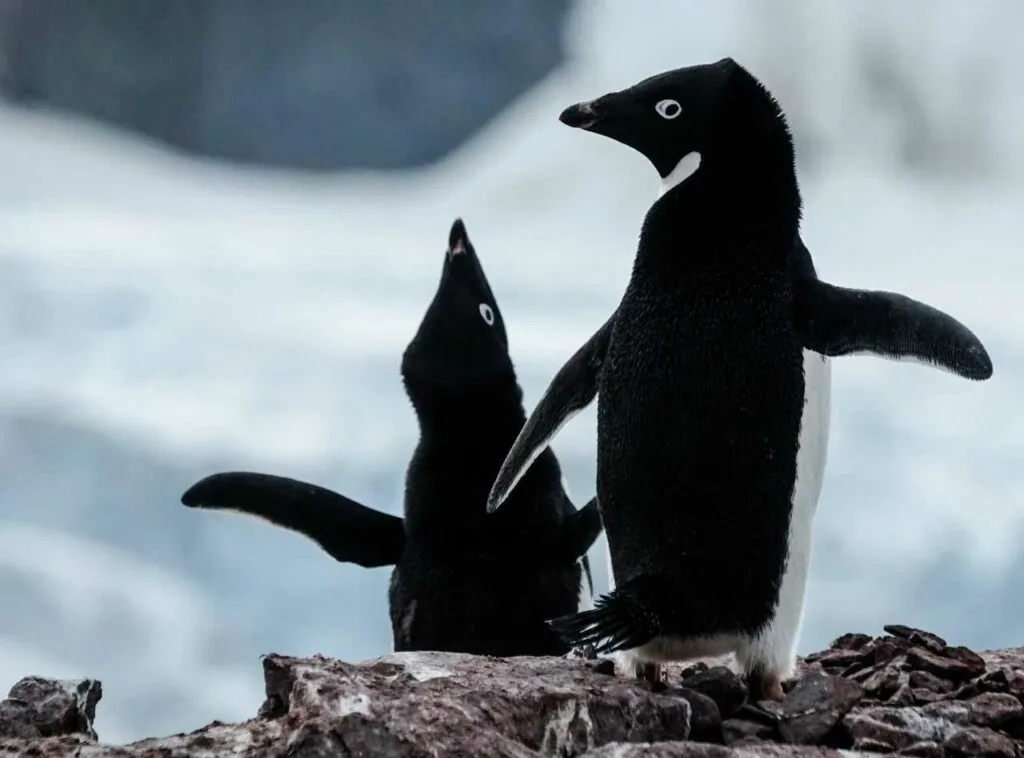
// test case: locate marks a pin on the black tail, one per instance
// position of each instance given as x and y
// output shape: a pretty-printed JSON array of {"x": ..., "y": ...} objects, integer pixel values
[
  {"x": 620, "y": 620},
  {"x": 347, "y": 530}
]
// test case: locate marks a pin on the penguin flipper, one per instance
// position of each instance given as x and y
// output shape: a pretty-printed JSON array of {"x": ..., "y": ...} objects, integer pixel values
[
  {"x": 838, "y": 321},
  {"x": 573, "y": 389},
  {"x": 620, "y": 620},
  {"x": 579, "y": 532},
  {"x": 346, "y": 530}
]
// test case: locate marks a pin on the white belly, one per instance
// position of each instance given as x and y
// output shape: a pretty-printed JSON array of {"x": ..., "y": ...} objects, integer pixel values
[{"x": 776, "y": 645}]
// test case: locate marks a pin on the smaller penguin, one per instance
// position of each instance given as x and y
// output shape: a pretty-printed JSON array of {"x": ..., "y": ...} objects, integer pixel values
[
  {"x": 463, "y": 581},
  {"x": 712, "y": 378}
]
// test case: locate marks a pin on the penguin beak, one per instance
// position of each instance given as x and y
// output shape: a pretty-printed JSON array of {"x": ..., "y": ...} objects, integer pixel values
[
  {"x": 582, "y": 115},
  {"x": 458, "y": 240}
]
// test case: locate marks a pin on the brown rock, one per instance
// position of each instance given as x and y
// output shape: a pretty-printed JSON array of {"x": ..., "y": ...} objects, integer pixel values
[
  {"x": 850, "y": 641},
  {"x": 885, "y": 649},
  {"x": 722, "y": 685},
  {"x": 899, "y": 728},
  {"x": 926, "y": 681},
  {"x": 903, "y": 696},
  {"x": 923, "y": 697},
  {"x": 705, "y": 718},
  {"x": 924, "y": 639},
  {"x": 703, "y": 750},
  {"x": 995, "y": 709},
  {"x": 954, "y": 665},
  {"x": 736, "y": 730},
  {"x": 939, "y": 703},
  {"x": 40, "y": 707},
  {"x": 883, "y": 683},
  {"x": 924, "y": 749},
  {"x": 815, "y": 706},
  {"x": 842, "y": 659},
  {"x": 980, "y": 741}
]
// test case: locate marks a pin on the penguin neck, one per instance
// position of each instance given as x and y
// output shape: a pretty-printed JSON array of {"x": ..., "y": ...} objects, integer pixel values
[
  {"x": 748, "y": 195},
  {"x": 473, "y": 420}
]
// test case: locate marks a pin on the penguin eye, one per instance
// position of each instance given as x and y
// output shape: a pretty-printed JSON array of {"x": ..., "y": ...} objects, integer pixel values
[
  {"x": 668, "y": 109},
  {"x": 487, "y": 314}
]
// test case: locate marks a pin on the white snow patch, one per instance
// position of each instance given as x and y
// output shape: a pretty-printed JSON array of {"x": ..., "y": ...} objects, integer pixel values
[
  {"x": 418, "y": 665},
  {"x": 347, "y": 704},
  {"x": 557, "y": 738}
]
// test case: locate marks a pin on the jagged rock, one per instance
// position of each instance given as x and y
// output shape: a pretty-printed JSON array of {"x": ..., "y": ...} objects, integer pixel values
[
  {"x": 721, "y": 685},
  {"x": 979, "y": 741},
  {"x": 703, "y": 750},
  {"x": 705, "y": 716},
  {"x": 957, "y": 665},
  {"x": 814, "y": 707},
  {"x": 41, "y": 707},
  {"x": 450, "y": 705},
  {"x": 744, "y": 730}
]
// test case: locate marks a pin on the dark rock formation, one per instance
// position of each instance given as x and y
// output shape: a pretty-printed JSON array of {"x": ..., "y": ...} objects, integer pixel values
[
  {"x": 40, "y": 707},
  {"x": 907, "y": 693},
  {"x": 321, "y": 84}
]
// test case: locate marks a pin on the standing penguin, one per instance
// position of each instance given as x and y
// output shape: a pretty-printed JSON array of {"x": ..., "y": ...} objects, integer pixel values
[
  {"x": 713, "y": 382},
  {"x": 463, "y": 581}
]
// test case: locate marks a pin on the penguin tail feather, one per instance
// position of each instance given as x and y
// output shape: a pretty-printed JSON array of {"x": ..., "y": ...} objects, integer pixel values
[{"x": 619, "y": 621}]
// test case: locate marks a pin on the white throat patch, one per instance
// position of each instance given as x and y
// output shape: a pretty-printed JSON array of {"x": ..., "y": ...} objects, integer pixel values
[{"x": 686, "y": 167}]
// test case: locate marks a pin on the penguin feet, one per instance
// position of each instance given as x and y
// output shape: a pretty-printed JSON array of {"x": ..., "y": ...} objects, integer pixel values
[{"x": 764, "y": 685}]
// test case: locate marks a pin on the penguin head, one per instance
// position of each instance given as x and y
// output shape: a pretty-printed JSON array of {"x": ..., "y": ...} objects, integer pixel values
[
  {"x": 684, "y": 118},
  {"x": 461, "y": 341}
]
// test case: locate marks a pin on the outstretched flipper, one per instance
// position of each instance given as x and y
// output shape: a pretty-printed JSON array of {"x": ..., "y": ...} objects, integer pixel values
[
  {"x": 348, "y": 531},
  {"x": 837, "y": 321},
  {"x": 573, "y": 389},
  {"x": 620, "y": 620},
  {"x": 579, "y": 532}
]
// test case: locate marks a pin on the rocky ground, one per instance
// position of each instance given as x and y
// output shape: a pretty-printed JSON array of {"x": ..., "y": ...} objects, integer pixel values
[{"x": 907, "y": 693}]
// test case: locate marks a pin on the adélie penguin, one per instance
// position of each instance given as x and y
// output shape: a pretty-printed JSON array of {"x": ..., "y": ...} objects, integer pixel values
[
  {"x": 463, "y": 581},
  {"x": 712, "y": 378}
]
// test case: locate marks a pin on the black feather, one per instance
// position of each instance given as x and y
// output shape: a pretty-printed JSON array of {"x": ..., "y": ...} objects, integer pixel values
[{"x": 620, "y": 620}]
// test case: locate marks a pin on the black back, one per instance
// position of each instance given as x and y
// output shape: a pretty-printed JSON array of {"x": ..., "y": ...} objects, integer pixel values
[
  {"x": 467, "y": 581},
  {"x": 701, "y": 393}
]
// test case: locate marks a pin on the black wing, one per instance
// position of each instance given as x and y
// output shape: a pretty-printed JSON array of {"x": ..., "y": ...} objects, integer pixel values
[{"x": 347, "y": 530}]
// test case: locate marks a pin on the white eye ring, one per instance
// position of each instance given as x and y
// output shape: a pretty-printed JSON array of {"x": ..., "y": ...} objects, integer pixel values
[
  {"x": 487, "y": 314},
  {"x": 669, "y": 109}
]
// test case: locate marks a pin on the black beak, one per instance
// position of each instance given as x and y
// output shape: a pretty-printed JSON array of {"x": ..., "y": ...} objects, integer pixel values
[{"x": 581, "y": 116}]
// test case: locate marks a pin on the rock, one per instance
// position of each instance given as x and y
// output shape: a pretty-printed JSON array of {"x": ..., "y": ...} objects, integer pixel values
[
  {"x": 437, "y": 704},
  {"x": 721, "y": 685},
  {"x": 925, "y": 681},
  {"x": 736, "y": 730},
  {"x": 979, "y": 741},
  {"x": 705, "y": 717},
  {"x": 899, "y": 728},
  {"x": 932, "y": 642},
  {"x": 311, "y": 85},
  {"x": 956, "y": 664},
  {"x": 41, "y": 707},
  {"x": 701, "y": 750},
  {"x": 995, "y": 709},
  {"x": 924, "y": 749},
  {"x": 850, "y": 641},
  {"x": 883, "y": 682},
  {"x": 814, "y": 707}
]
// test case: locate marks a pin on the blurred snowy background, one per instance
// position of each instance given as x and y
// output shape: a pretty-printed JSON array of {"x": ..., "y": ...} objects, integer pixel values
[{"x": 166, "y": 314}]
